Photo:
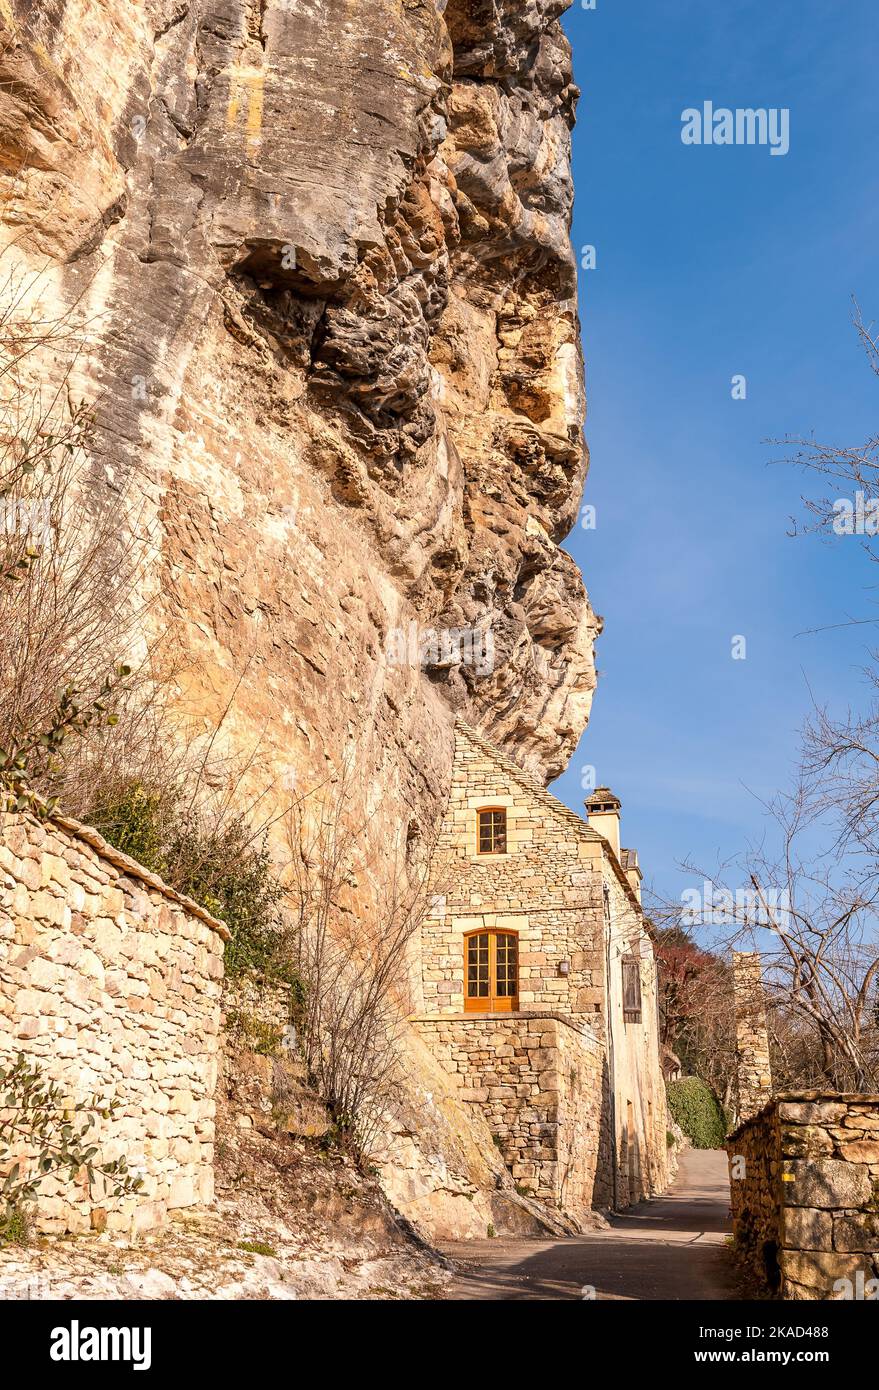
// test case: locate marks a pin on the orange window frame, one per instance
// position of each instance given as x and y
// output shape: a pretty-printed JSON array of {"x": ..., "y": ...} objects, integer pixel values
[
  {"x": 495, "y": 834},
  {"x": 491, "y": 964}
]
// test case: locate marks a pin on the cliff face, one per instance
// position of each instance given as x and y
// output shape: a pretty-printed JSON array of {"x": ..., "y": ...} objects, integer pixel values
[{"x": 322, "y": 251}]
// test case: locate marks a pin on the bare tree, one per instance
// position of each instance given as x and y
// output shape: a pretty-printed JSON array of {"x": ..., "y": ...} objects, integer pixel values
[
  {"x": 810, "y": 904},
  {"x": 696, "y": 1010},
  {"x": 806, "y": 895},
  {"x": 853, "y": 466},
  {"x": 353, "y": 933},
  {"x": 73, "y": 557}
]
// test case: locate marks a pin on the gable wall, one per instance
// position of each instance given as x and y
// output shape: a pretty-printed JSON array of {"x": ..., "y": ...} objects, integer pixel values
[{"x": 547, "y": 888}]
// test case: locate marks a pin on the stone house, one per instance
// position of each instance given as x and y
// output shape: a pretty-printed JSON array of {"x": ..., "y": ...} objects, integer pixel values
[{"x": 538, "y": 984}]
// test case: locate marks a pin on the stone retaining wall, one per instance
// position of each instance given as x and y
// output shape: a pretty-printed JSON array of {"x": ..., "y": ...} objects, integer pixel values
[
  {"x": 111, "y": 982},
  {"x": 805, "y": 1195},
  {"x": 540, "y": 1082}
]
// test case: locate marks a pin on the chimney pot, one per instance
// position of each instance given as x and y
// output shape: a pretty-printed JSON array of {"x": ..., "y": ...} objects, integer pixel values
[{"x": 603, "y": 814}]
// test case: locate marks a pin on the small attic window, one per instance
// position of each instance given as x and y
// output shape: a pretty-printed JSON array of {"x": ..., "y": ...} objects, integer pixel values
[{"x": 492, "y": 832}]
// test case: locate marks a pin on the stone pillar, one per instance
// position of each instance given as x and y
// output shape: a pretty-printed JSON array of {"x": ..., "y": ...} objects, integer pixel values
[{"x": 753, "y": 1070}]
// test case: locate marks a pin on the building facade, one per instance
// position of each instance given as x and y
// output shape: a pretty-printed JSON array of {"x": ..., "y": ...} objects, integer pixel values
[{"x": 538, "y": 985}]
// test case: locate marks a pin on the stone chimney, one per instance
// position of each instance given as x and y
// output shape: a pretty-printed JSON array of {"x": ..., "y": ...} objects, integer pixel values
[
  {"x": 753, "y": 1070},
  {"x": 603, "y": 812},
  {"x": 632, "y": 870}
]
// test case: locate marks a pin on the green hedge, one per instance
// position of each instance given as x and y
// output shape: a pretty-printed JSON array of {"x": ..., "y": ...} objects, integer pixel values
[{"x": 697, "y": 1112}]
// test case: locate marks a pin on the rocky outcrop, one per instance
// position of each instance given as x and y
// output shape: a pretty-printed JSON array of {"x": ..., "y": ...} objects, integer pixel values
[
  {"x": 320, "y": 254},
  {"x": 324, "y": 256}
]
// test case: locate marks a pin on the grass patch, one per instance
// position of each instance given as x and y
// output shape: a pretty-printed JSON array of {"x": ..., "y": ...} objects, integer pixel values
[{"x": 256, "y": 1247}]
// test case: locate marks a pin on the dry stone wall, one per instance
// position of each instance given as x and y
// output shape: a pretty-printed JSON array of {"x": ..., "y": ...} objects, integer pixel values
[
  {"x": 539, "y": 1080},
  {"x": 111, "y": 982},
  {"x": 753, "y": 1066},
  {"x": 805, "y": 1195}
]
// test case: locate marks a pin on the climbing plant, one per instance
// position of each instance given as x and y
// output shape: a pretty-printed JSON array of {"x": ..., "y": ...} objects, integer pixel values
[{"x": 33, "y": 754}]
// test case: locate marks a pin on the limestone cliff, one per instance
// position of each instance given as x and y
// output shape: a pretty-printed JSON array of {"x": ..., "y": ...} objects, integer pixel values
[{"x": 322, "y": 250}]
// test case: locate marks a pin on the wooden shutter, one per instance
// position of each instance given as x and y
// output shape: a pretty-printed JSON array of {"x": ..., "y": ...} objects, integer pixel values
[{"x": 631, "y": 990}]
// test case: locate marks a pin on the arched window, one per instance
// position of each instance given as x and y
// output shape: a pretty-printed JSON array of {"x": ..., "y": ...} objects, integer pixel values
[{"x": 491, "y": 972}]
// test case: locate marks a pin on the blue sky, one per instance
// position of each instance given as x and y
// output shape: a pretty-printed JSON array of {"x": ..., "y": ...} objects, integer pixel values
[{"x": 711, "y": 262}]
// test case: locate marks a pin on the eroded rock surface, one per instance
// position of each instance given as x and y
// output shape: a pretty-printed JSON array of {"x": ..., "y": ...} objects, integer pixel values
[{"x": 321, "y": 249}]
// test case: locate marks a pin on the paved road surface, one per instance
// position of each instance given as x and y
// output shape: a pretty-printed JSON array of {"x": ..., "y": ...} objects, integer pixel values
[{"x": 670, "y": 1247}]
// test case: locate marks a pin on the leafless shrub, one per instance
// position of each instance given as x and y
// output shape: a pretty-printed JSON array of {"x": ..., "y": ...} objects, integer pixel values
[
  {"x": 353, "y": 931},
  {"x": 73, "y": 559}
]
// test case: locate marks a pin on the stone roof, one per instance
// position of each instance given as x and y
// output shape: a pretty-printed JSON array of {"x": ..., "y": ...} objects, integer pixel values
[{"x": 603, "y": 796}]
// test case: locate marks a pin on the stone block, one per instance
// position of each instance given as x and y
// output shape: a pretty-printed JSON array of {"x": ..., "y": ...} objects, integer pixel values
[
  {"x": 827, "y": 1183},
  {"x": 182, "y": 1193},
  {"x": 148, "y": 1216},
  {"x": 819, "y": 1270},
  {"x": 861, "y": 1151},
  {"x": 805, "y": 1228},
  {"x": 46, "y": 907},
  {"x": 810, "y": 1112},
  {"x": 858, "y": 1232},
  {"x": 806, "y": 1141},
  {"x": 857, "y": 1119}
]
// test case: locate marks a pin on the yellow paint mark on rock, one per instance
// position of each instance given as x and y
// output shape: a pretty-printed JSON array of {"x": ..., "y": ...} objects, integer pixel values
[
  {"x": 233, "y": 108},
  {"x": 255, "y": 104},
  {"x": 246, "y": 84}
]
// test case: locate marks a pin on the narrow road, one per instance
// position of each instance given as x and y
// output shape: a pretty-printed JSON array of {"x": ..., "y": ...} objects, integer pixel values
[{"x": 672, "y": 1247}]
